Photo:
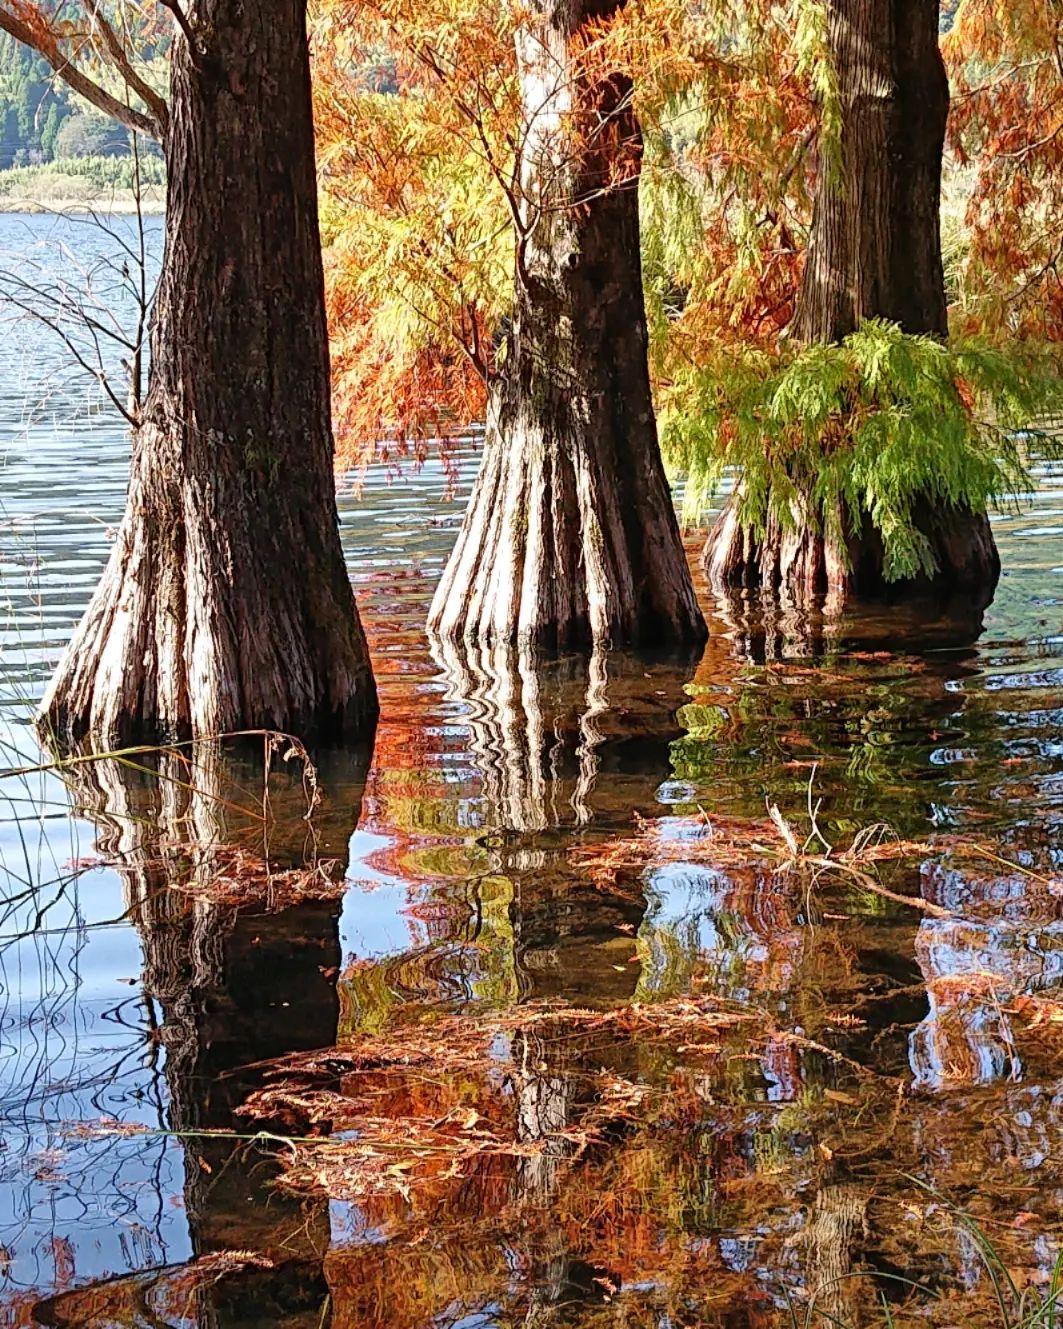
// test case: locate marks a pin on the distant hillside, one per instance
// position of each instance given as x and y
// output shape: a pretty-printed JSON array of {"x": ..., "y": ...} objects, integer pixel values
[
  {"x": 32, "y": 111},
  {"x": 80, "y": 183},
  {"x": 42, "y": 120}
]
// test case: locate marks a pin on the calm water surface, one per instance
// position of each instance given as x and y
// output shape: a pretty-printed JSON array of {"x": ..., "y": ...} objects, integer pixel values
[{"x": 882, "y": 1066}]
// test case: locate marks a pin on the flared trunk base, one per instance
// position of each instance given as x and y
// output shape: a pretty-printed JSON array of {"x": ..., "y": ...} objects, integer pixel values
[
  {"x": 226, "y": 604},
  {"x": 808, "y": 567},
  {"x": 211, "y": 621},
  {"x": 568, "y": 544}
]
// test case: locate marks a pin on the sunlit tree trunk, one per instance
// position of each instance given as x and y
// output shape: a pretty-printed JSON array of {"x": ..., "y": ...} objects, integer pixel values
[
  {"x": 836, "y": 1231},
  {"x": 226, "y": 603},
  {"x": 570, "y": 538},
  {"x": 875, "y": 247},
  {"x": 874, "y": 252}
]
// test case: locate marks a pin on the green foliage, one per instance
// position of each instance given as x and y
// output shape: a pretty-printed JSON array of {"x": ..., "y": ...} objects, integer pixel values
[
  {"x": 83, "y": 182},
  {"x": 32, "y": 106},
  {"x": 672, "y": 206},
  {"x": 875, "y": 426},
  {"x": 88, "y": 135},
  {"x": 40, "y": 118},
  {"x": 100, "y": 173},
  {"x": 812, "y": 48},
  {"x": 52, "y": 123}
]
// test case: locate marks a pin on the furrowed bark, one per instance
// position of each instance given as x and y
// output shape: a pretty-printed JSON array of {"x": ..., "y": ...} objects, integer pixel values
[
  {"x": 875, "y": 247},
  {"x": 874, "y": 252},
  {"x": 226, "y": 603},
  {"x": 570, "y": 539},
  {"x": 803, "y": 563}
]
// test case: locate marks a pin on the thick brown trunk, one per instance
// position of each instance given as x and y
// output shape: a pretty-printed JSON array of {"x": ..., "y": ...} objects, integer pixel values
[
  {"x": 874, "y": 252},
  {"x": 800, "y": 562},
  {"x": 875, "y": 247},
  {"x": 570, "y": 538},
  {"x": 226, "y": 603}
]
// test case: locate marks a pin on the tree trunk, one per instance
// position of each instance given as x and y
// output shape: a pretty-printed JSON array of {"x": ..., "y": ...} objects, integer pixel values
[
  {"x": 874, "y": 252},
  {"x": 570, "y": 538},
  {"x": 875, "y": 247},
  {"x": 226, "y": 603},
  {"x": 801, "y": 564}
]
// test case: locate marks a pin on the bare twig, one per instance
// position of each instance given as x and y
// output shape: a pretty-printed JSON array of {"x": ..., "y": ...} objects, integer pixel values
[{"x": 144, "y": 122}]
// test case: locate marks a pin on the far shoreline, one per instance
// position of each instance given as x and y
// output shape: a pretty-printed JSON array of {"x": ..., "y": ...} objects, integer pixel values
[{"x": 108, "y": 206}]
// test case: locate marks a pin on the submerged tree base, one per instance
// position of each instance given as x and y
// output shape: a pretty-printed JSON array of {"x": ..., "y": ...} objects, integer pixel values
[
  {"x": 226, "y": 603},
  {"x": 570, "y": 541},
  {"x": 202, "y": 625},
  {"x": 806, "y": 564}
]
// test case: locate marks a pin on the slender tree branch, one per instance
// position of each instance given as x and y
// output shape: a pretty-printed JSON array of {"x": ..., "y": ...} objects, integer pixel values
[
  {"x": 63, "y": 302},
  {"x": 141, "y": 121},
  {"x": 120, "y": 59},
  {"x": 94, "y": 371},
  {"x": 183, "y": 22}
]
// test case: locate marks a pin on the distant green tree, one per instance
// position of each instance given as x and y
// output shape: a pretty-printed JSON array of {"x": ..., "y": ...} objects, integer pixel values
[
  {"x": 50, "y": 130},
  {"x": 32, "y": 107},
  {"x": 9, "y": 134},
  {"x": 24, "y": 107},
  {"x": 84, "y": 135}
]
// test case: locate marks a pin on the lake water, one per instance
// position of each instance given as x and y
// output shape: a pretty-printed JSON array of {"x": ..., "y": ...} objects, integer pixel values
[{"x": 509, "y": 887}]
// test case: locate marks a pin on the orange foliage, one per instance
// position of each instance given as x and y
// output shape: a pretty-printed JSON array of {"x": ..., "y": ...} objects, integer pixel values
[
  {"x": 425, "y": 197},
  {"x": 1006, "y": 62},
  {"x": 413, "y": 214}
]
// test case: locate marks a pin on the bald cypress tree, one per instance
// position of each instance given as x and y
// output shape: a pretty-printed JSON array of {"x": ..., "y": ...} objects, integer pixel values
[
  {"x": 874, "y": 253},
  {"x": 226, "y": 603},
  {"x": 570, "y": 538}
]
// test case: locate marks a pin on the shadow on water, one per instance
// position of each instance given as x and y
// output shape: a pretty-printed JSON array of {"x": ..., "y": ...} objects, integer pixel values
[{"x": 233, "y": 870}]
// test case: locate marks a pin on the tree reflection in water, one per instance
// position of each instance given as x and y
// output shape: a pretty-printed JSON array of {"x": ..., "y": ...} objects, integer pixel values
[
  {"x": 660, "y": 1095},
  {"x": 233, "y": 866}
]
